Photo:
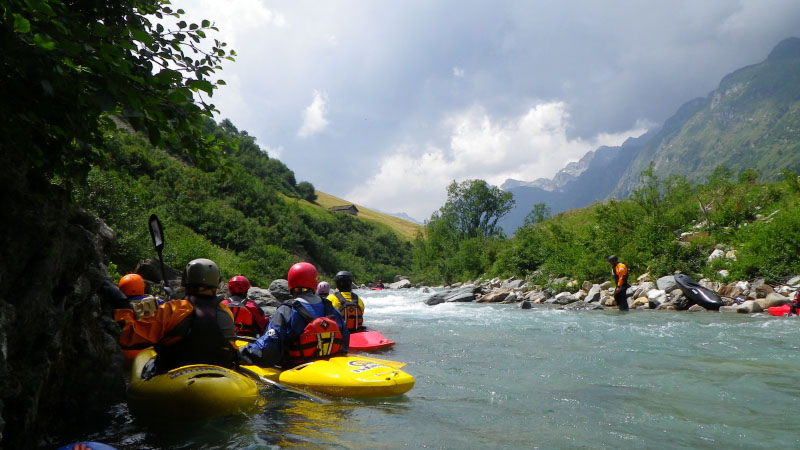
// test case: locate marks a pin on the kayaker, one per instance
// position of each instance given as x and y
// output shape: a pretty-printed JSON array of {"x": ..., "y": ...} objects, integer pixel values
[
  {"x": 249, "y": 318},
  {"x": 380, "y": 284},
  {"x": 347, "y": 302},
  {"x": 303, "y": 329},
  {"x": 197, "y": 330},
  {"x": 133, "y": 286},
  {"x": 323, "y": 289},
  {"x": 620, "y": 273}
]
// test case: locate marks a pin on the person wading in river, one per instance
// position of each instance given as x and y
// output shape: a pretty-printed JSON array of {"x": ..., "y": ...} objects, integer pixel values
[{"x": 620, "y": 273}]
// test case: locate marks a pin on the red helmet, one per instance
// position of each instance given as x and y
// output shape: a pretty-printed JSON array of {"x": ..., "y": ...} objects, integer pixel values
[
  {"x": 238, "y": 285},
  {"x": 303, "y": 275},
  {"x": 132, "y": 285}
]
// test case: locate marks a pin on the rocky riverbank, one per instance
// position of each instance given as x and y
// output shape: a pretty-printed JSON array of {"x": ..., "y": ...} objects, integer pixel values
[{"x": 661, "y": 294}]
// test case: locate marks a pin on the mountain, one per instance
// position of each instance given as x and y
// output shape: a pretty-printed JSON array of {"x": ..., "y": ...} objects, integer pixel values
[
  {"x": 403, "y": 228},
  {"x": 404, "y": 216},
  {"x": 752, "y": 120},
  {"x": 601, "y": 169}
]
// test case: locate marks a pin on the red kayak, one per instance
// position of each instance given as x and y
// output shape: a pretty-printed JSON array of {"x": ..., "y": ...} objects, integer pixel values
[
  {"x": 779, "y": 311},
  {"x": 369, "y": 340}
]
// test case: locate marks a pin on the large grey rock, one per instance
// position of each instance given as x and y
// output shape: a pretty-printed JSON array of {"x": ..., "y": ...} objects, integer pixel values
[
  {"x": 512, "y": 298},
  {"x": 512, "y": 284},
  {"x": 593, "y": 295},
  {"x": 586, "y": 286},
  {"x": 400, "y": 277},
  {"x": 696, "y": 308},
  {"x": 717, "y": 253},
  {"x": 761, "y": 288},
  {"x": 525, "y": 305},
  {"x": 606, "y": 285},
  {"x": 462, "y": 294},
  {"x": 729, "y": 309},
  {"x": 280, "y": 290},
  {"x": 535, "y": 296},
  {"x": 263, "y": 297},
  {"x": 794, "y": 281},
  {"x": 402, "y": 284},
  {"x": 775, "y": 299},
  {"x": 667, "y": 284},
  {"x": 643, "y": 289},
  {"x": 749, "y": 307},
  {"x": 656, "y": 297},
  {"x": 564, "y": 298},
  {"x": 495, "y": 296}
]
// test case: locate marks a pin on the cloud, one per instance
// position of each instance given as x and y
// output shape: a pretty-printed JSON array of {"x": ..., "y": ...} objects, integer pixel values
[
  {"x": 314, "y": 119},
  {"x": 413, "y": 177},
  {"x": 458, "y": 72}
]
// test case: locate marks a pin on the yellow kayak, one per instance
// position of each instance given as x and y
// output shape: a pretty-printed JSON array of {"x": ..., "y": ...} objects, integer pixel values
[
  {"x": 190, "y": 392},
  {"x": 344, "y": 376}
]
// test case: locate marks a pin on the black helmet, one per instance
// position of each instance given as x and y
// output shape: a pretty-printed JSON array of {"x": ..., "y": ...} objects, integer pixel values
[
  {"x": 343, "y": 275},
  {"x": 344, "y": 281}
]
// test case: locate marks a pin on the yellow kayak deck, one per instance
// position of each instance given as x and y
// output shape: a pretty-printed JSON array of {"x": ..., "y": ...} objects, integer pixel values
[{"x": 190, "y": 392}]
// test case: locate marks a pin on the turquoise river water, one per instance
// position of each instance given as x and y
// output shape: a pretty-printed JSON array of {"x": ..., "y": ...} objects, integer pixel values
[{"x": 495, "y": 376}]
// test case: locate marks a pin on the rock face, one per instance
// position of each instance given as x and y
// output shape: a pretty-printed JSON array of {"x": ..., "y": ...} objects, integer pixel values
[
  {"x": 280, "y": 290},
  {"x": 60, "y": 366}
]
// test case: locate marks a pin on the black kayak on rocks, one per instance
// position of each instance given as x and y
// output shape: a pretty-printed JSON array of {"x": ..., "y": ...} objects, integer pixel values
[{"x": 698, "y": 294}]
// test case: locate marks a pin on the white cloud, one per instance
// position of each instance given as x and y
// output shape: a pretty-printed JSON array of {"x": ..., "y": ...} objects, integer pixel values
[
  {"x": 458, "y": 72},
  {"x": 414, "y": 177},
  {"x": 314, "y": 119}
]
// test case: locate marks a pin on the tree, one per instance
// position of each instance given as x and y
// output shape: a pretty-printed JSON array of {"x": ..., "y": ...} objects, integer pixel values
[
  {"x": 475, "y": 208},
  {"x": 306, "y": 191},
  {"x": 67, "y": 69},
  {"x": 539, "y": 212}
]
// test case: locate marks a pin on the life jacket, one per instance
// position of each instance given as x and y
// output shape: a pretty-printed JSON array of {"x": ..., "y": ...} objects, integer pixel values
[
  {"x": 320, "y": 339},
  {"x": 620, "y": 274},
  {"x": 204, "y": 337},
  {"x": 246, "y": 323},
  {"x": 351, "y": 312},
  {"x": 144, "y": 307}
]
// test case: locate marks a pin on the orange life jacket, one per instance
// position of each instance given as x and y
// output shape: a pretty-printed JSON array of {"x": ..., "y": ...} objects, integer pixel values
[
  {"x": 320, "y": 339},
  {"x": 351, "y": 312},
  {"x": 246, "y": 323}
]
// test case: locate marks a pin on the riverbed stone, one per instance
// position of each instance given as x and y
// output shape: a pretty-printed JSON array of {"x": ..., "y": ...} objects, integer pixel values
[
  {"x": 643, "y": 289},
  {"x": 586, "y": 286},
  {"x": 696, "y": 308},
  {"x": 565, "y": 298},
  {"x": 606, "y": 285},
  {"x": 401, "y": 284},
  {"x": 656, "y": 297},
  {"x": 794, "y": 281},
  {"x": 512, "y": 298},
  {"x": 667, "y": 283},
  {"x": 495, "y": 296},
  {"x": 717, "y": 253},
  {"x": 593, "y": 295},
  {"x": 775, "y": 299},
  {"x": 280, "y": 290},
  {"x": 730, "y": 290},
  {"x": 525, "y": 305},
  {"x": 581, "y": 306},
  {"x": 749, "y": 307},
  {"x": 761, "y": 288},
  {"x": 643, "y": 278},
  {"x": 513, "y": 284},
  {"x": 729, "y": 309},
  {"x": 641, "y": 301}
]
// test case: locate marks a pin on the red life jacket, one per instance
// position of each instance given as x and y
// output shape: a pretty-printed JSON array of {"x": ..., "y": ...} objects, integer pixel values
[
  {"x": 351, "y": 312},
  {"x": 320, "y": 339},
  {"x": 243, "y": 316}
]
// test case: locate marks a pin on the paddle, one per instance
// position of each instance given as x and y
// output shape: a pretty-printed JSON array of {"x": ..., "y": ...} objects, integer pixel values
[
  {"x": 157, "y": 234},
  {"x": 282, "y": 387}
]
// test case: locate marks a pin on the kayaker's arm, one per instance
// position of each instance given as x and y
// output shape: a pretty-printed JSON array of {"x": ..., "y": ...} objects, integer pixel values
[{"x": 150, "y": 330}]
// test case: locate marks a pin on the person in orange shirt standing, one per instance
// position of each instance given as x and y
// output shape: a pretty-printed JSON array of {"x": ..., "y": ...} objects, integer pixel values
[{"x": 620, "y": 273}]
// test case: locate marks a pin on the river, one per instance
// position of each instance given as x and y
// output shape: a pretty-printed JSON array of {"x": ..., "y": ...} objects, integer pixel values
[{"x": 495, "y": 376}]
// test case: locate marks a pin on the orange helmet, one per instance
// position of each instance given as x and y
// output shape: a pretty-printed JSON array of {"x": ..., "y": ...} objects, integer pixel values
[
  {"x": 303, "y": 275},
  {"x": 132, "y": 285},
  {"x": 238, "y": 285}
]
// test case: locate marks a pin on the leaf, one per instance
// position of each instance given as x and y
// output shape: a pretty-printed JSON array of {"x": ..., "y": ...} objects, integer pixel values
[
  {"x": 141, "y": 35},
  {"x": 21, "y": 24},
  {"x": 206, "y": 23},
  {"x": 44, "y": 41}
]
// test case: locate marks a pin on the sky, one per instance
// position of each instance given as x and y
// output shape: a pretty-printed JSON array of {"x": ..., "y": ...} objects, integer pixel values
[{"x": 385, "y": 103}]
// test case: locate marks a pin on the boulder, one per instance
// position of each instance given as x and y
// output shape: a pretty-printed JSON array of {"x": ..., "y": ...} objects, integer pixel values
[
  {"x": 641, "y": 301},
  {"x": 606, "y": 300},
  {"x": 512, "y": 298},
  {"x": 495, "y": 296},
  {"x": 731, "y": 255},
  {"x": 525, "y": 305},
  {"x": 749, "y": 307},
  {"x": 775, "y": 299},
  {"x": 717, "y": 253},
  {"x": 512, "y": 284},
  {"x": 643, "y": 289},
  {"x": 724, "y": 273},
  {"x": 708, "y": 284},
  {"x": 696, "y": 308},
  {"x": 401, "y": 284},
  {"x": 400, "y": 277},
  {"x": 280, "y": 290},
  {"x": 743, "y": 286},
  {"x": 593, "y": 295},
  {"x": 729, "y": 309},
  {"x": 656, "y": 297},
  {"x": 667, "y": 283},
  {"x": 606, "y": 285},
  {"x": 761, "y": 288},
  {"x": 643, "y": 278},
  {"x": 150, "y": 270},
  {"x": 462, "y": 294},
  {"x": 794, "y": 281},
  {"x": 586, "y": 286},
  {"x": 565, "y": 298},
  {"x": 730, "y": 290},
  {"x": 535, "y": 295},
  {"x": 263, "y": 297}
]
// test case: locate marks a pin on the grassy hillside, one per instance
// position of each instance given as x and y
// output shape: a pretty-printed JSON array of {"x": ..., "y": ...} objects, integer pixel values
[{"x": 404, "y": 228}]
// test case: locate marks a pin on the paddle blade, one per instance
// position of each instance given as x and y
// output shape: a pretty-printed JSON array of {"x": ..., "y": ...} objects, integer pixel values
[{"x": 157, "y": 233}]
